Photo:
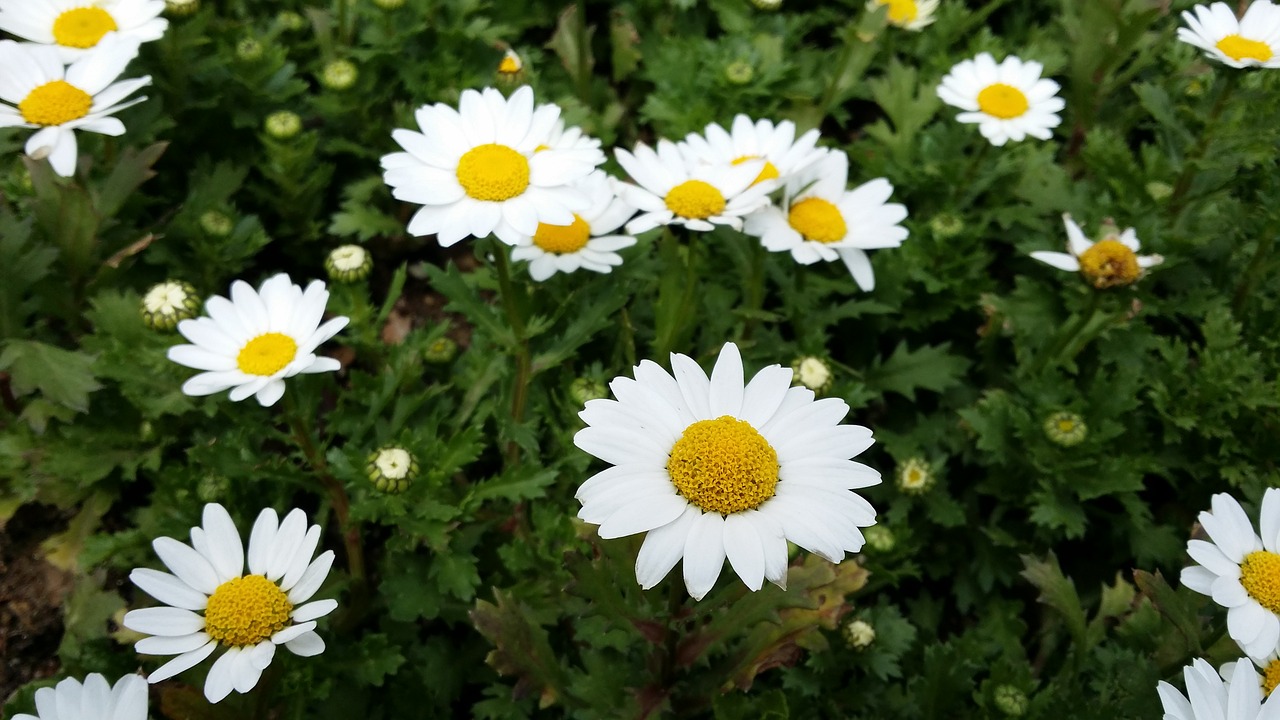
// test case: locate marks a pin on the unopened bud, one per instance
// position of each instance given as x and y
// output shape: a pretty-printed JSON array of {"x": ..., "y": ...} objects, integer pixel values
[{"x": 339, "y": 75}]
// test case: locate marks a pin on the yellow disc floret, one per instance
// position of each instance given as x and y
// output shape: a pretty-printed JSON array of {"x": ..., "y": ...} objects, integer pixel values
[
  {"x": 55, "y": 103},
  {"x": 1270, "y": 677},
  {"x": 493, "y": 172},
  {"x": 1109, "y": 263},
  {"x": 246, "y": 611},
  {"x": 563, "y": 238},
  {"x": 901, "y": 12},
  {"x": 768, "y": 172},
  {"x": 1260, "y": 576},
  {"x": 1240, "y": 48},
  {"x": 1003, "y": 101},
  {"x": 695, "y": 200},
  {"x": 82, "y": 27},
  {"x": 267, "y": 354},
  {"x": 817, "y": 220},
  {"x": 723, "y": 465}
]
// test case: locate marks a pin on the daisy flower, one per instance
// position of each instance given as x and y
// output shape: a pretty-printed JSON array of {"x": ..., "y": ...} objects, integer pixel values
[
  {"x": 38, "y": 92},
  {"x": 1269, "y": 665},
  {"x": 824, "y": 221},
  {"x": 575, "y": 143},
  {"x": 1241, "y": 571},
  {"x": 1113, "y": 261},
  {"x": 477, "y": 170},
  {"x": 94, "y": 700},
  {"x": 1209, "y": 698},
  {"x": 589, "y": 243},
  {"x": 672, "y": 190},
  {"x": 249, "y": 615},
  {"x": 1009, "y": 101},
  {"x": 73, "y": 26},
  {"x": 1251, "y": 41},
  {"x": 784, "y": 154},
  {"x": 251, "y": 342},
  {"x": 715, "y": 468},
  {"x": 907, "y": 14},
  {"x": 510, "y": 65}
]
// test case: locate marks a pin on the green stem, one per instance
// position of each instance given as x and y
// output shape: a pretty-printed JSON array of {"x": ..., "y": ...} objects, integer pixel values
[
  {"x": 1183, "y": 183},
  {"x": 1251, "y": 273},
  {"x": 1069, "y": 333},
  {"x": 514, "y": 307},
  {"x": 970, "y": 170},
  {"x": 344, "y": 18},
  {"x": 583, "y": 75},
  {"x": 754, "y": 295}
]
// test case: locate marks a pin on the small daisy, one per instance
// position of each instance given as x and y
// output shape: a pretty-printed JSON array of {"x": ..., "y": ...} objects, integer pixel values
[
  {"x": 1113, "y": 261},
  {"x": 477, "y": 170},
  {"x": 1209, "y": 698},
  {"x": 784, "y": 154},
  {"x": 510, "y": 65},
  {"x": 1009, "y": 101},
  {"x": 253, "y": 341},
  {"x": 41, "y": 93},
  {"x": 74, "y": 26},
  {"x": 94, "y": 700},
  {"x": 715, "y": 468},
  {"x": 824, "y": 221},
  {"x": 1251, "y": 41},
  {"x": 1270, "y": 667},
  {"x": 915, "y": 476},
  {"x": 1241, "y": 571},
  {"x": 589, "y": 243},
  {"x": 249, "y": 614},
  {"x": 672, "y": 190},
  {"x": 907, "y": 14}
]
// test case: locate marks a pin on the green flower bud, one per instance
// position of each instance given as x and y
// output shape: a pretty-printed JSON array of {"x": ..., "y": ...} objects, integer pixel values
[
  {"x": 583, "y": 390},
  {"x": 812, "y": 372},
  {"x": 169, "y": 303},
  {"x": 249, "y": 50},
  {"x": 339, "y": 75},
  {"x": 739, "y": 72},
  {"x": 946, "y": 225},
  {"x": 290, "y": 21},
  {"x": 879, "y": 538},
  {"x": 217, "y": 224},
  {"x": 348, "y": 263},
  {"x": 1159, "y": 191},
  {"x": 283, "y": 125},
  {"x": 915, "y": 476},
  {"x": 1011, "y": 701},
  {"x": 1066, "y": 429},
  {"x": 391, "y": 469},
  {"x": 181, "y": 8},
  {"x": 859, "y": 634},
  {"x": 441, "y": 351}
]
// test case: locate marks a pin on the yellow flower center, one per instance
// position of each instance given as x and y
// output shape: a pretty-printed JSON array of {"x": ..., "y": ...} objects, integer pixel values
[
  {"x": 1066, "y": 425},
  {"x": 246, "y": 611},
  {"x": 723, "y": 465},
  {"x": 1109, "y": 264},
  {"x": 1239, "y": 48},
  {"x": 55, "y": 103},
  {"x": 695, "y": 199},
  {"x": 1270, "y": 677},
  {"x": 1260, "y": 576},
  {"x": 1002, "y": 101},
  {"x": 901, "y": 12},
  {"x": 768, "y": 172},
  {"x": 493, "y": 172},
  {"x": 82, "y": 27},
  {"x": 563, "y": 238},
  {"x": 267, "y": 354},
  {"x": 817, "y": 220},
  {"x": 509, "y": 65}
]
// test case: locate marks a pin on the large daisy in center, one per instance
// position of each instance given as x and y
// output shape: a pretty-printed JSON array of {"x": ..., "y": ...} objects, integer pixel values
[
  {"x": 487, "y": 168},
  {"x": 75, "y": 26},
  {"x": 715, "y": 468}
]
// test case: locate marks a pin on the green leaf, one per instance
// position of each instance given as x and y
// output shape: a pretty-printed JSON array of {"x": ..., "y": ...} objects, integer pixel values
[
  {"x": 1058, "y": 592},
  {"x": 131, "y": 170},
  {"x": 930, "y": 368},
  {"x": 373, "y": 659},
  {"x": 62, "y": 376}
]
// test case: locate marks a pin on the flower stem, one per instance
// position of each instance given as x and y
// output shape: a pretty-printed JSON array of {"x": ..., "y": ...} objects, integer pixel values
[
  {"x": 514, "y": 307},
  {"x": 1251, "y": 273},
  {"x": 1064, "y": 337},
  {"x": 754, "y": 295},
  {"x": 1183, "y": 183}
]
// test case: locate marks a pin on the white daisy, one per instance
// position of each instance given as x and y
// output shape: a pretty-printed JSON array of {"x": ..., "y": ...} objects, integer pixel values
[
  {"x": 589, "y": 243},
  {"x": 94, "y": 700},
  {"x": 675, "y": 190},
  {"x": 784, "y": 154},
  {"x": 825, "y": 221},
  {"x": 41, "y": 93},
  {"x": 1251, "y": 41},
  {"x": 1241, "y": 571},
  {"x": 249, "y": 615},
  {"x": 1112, "y": 261},
  {"x": 715, "y": 468},
  {"x": 74, "y": 26},
  {"x": 907, "y": 14},
  {"x": 1009, "y": 101},
  {"x": 253, "y": 341},
  {"x": 478, "y": 170},
  {"x": 1209, "y": 698},
  {"x": 574, "y": 142},
  {"x": 1269, "y": 665}
]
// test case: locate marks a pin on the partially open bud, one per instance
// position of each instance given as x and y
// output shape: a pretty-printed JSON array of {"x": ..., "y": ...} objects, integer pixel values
[
  {"x": 391, "y": 469},
  {"x": 813, "y": 373},
  {"x": 1066, "y": 429},
  {"x": 441, "y": 351},
  {"x": 915, "y": 477},
  {"x": 168, "y": 303},
  {"x": 349, "y": 263},
  {"x": 859, "y": 634}
]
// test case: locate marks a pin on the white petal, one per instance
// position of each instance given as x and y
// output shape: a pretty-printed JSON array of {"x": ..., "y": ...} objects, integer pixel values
[
  {"x": 704, "y": 554},
  {"x": 164, "y": 621},
  {"x": 182, "y": 663}
]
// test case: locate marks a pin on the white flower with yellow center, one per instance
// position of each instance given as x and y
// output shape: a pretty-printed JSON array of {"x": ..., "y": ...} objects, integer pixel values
[
  {"x": 1008, "y": 101},
  {"x": 1209, "y": 698},
  {"x": 1270, "y": 667},
  {"x": 572, "y": 141},
  {"x": 93, "y": 700},
  {"x": 907, "y": 14},
  {"x": 75, "y": 26},
  {"x": 485, "y": 168},
  {"x": 251, "y": 342},
  {"x": 777, "y": 145},
  {"x": 1241, "y": 571},
  {"x": 715, "y": 468},
  {"x": 1112, "y": 261},
  {"x": 824, "y": 221},
  {"x": 1251, "y": 41},
  {"x": 38, "y": 92},
  {"x": 672, "y": 189},
  {"x": 212, "y": 602},
  {"x": 590, "y": 243}
]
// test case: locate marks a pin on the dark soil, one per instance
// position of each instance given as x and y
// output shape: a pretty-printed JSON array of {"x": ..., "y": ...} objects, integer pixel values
[{"x": 31, "y": 596}]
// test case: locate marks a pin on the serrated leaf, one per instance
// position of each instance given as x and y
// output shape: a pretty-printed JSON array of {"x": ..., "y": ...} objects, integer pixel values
[
  {"x": 1057, "y": 591},
  {"x": 930, "y": 368},
  {"x": 61, "y": 376}
]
